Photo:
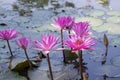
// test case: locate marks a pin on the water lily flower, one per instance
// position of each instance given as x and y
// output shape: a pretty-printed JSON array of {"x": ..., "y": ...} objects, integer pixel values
[
  {"x": 23, "y": 42},
  {"x": 63, "y": 23},
  {"x": 7, "y": 35},
  {"x": 81, "y": 28},
  {"x": 80, "y": 43},
  {"x": 47, "y": 43}
]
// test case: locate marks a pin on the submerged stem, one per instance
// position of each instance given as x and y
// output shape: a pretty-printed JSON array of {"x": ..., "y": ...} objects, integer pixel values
[
  {"x": 64, "y": 59},
  {"x": 9, "y": 48},
  {"x": 28, "y": 58},
  {"x": 80, "y": 63},
  {"x": 50, "y": 69}
]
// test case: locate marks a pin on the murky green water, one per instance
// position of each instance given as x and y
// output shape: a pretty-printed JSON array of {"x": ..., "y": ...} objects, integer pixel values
[{"x": 33, "y": 17}]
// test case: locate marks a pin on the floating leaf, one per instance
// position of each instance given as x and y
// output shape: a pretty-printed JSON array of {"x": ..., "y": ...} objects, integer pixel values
[
  {"x": 36, "y": 74},
  {"x": 114, "y": 13},
  {"x": 97, "y": 13},
  {"x": 106, "y": 43},
  {"x": 21, "y": 65},
  {"x": 113, "y": 19},
  {"x": 116, "y": 60},
  {"x": 46, "y": 27},
  {"x": 108, "y": 70},
  {"x": 70, "y": 56},
  {"x": 98, "y": 54},
  {"x": 55, "y": 64},
  {"x": 6, "y": 74},
  {"x": 21, "y": 19},
  {"x": 114, "y": 29},
  {"x": 93, "y": 21}
]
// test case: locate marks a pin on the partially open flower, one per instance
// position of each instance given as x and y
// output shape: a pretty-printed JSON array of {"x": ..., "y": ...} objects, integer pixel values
[
  {"x": 23, "y": 42},
  {"x": 63, "y": 23},
  {"x": 81, "y": 28}
]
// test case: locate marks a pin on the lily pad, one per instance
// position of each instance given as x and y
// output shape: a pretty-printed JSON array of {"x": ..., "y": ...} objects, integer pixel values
[
  {"x": 9, "y": 24},
  {"x": 40, "y": 17},
  {"x": 108, "y": 70},
  {"x": 116, "y": 60},
  {"x": 98, "y": 55},
  {"x": 21, "y": 19},
  {"x": 97, "y": 13},
  {"x": 114, "y": 29},
  {"x": 70, "y": 56},
  {"x": 93, "y": 21},
  {"x": 6, "y": 74},
  {"x": 55, "y": 64},
  {"x": 36, "y": 74},
  {"x": 113, "y": 13},
  {"x": 113, "y": 19},
  {"x": 46, "y": 27},
  {"x": 111, "y": 28}
]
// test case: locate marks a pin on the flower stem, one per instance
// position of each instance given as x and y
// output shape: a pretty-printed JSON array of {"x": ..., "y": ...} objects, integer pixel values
[
  {"x": 50, "y": 69},
  {"x": 80, "y": 63},
  {"x": 9, "y": 48},
  {"x": 64, "y": 59},
  {"x": 106, "y": 52},
  {"x": 28, "y": 59}
]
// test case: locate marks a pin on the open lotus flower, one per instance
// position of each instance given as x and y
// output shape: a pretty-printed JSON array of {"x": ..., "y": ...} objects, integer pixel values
[
  {"x": 79, "y": 43},
  {"x": 47, "y": 43},
  {"x": 23, "y": 42},
  {"x": 8, "y": 34},
  {"x": 63, "y": 23},
  {"x": 81, "y": 28}
]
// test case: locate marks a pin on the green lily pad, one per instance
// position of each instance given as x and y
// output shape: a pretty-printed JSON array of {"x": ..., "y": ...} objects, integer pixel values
[
  {"x": 108, "y": 70},
  {"x": 36, "y": 74},
  {"x": 113, "y": 13},
  {"x": 115, "y": 60},
  {"x": 6, "y": 74},
  {"x": 113, "y": 19},
  {"x": 97, "y": 13},
  {"x": 70, "y": 56},
  {"x": 93, "y": 21},
  {"x": 21, "y": 19},
  {"x": 55, "y": 64},
  {"x": 114, "y": 29},
  {"x": 20, "y": 64},
  {"x": 46, "y": 27},
  {"x": 111, "y": 28}
]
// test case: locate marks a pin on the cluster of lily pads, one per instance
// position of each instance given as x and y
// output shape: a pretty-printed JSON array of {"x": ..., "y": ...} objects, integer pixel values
[{"x": 79, "y": 38}]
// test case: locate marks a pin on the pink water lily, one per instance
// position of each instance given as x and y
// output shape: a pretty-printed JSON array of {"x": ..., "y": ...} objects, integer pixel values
[
  {"x": 63, "y": 23},
  {"x": 47, "y": 43},
  {"x": 8, "y": 34},
  {"x": 79, "y": 43},
  {"x": 81, "y": 28},
  {"x": 23, "y": 42}
]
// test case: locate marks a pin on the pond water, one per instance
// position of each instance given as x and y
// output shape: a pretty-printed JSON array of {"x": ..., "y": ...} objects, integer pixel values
[{"x": 33, "y": 17}]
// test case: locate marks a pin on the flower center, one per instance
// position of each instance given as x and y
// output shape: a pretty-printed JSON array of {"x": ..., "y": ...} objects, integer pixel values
[{"x": 79, "y": 42}]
